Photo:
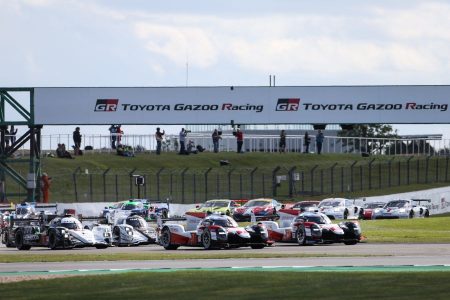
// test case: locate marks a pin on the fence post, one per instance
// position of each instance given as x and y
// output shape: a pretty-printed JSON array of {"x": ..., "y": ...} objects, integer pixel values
[
  {"x": 104, "y": 184},
  {"x": 437, "y": 169},
  {"x": 206, "y": 183},
  {"x": 407, "y": 169},
  {"x": 361, "y": 177},
  {"x": 252, "y": 176},
  {"x": 399, "y": 170},
  {"x": 229, "y": 183},
  {"x": 182, "y": 184},
  {"x": 158, "y": 182},
  {"x": 91, "y": 191},
  {"x": 274, "y": 180},
  {"x": 131, "y": 182},
  {"x": 351, "y": 174},
  {"x": 321, "y": 181},
  {"x": 417, "y": 171},
  {"x": 390, "y": 171},
  {"x": 74, "y": 176},
  {"x": 312, "y": 179},
  {"x": 370, "y": 173},
  {"x": 332, "y": 176},
  {"x": 342, "y": 179},
  {"x": 379, "y": 176},
  {"x": 427, "y": 160},
  {"x": 446, "y": 168},
  {"x": 291, "y": 181},
  {"x": 117, "y": 187}
]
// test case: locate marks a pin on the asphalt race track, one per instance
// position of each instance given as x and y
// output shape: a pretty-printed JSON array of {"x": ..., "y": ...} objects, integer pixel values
[{"x": 364, "y": 254}]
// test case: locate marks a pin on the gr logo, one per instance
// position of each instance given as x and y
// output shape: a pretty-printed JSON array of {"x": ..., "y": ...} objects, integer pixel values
[
  {"x": 290, "y": 104},
  {"x": 106, "y": 105}
]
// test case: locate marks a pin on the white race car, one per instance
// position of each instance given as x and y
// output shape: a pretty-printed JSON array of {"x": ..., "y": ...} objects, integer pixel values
[
  {"x": 402, "y": 209},
  {"x": 133, "y": 230},
  {"x": 341, "y": 208}
]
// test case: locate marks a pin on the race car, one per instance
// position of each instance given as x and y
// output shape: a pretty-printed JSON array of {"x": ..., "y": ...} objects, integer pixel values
[
  {"x": 341, "y": 208},
  {"x": 402, "y": 209},
  {"x": 214, "y": 232},
  {"x": 262, "y": 208},
  {"x": 142, "y": 207},
  {"x": 132, "y": 231},
  {"x": 225, "y": 206},
  {"x": 371, "y": 209},
  {"x": 57, "y": 232},
  {"x": 314, "y": 228}
]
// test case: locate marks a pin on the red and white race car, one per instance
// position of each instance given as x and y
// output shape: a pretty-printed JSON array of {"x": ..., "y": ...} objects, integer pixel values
[
  {"x": 371, "y": 209},
  {"x": 313, "y": 228},
  {"x": 214, "y": 231},
  {"x": 262, "y": 209}
]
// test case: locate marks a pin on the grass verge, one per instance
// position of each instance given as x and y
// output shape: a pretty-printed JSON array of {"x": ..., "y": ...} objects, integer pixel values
[{"x": 237, "y": 285}]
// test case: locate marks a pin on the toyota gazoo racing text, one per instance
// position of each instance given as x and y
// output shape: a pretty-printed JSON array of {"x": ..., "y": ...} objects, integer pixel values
[
  {"x": 314, "y": 228},
  {"x": 341, "y": 208},
  {"x": 402, "y": 209},
  {"x": 132, "y": 231},
  {"x": 262, "y": 208},
  {"x": 214, "y": 232}
]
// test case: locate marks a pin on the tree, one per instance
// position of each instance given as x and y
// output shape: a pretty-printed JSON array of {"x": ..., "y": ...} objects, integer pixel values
[{"x": 380, "y": 134}]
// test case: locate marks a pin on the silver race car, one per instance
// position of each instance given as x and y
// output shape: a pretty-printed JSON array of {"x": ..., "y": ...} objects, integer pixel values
[
  {"x": 403, "y": 209},
  {"x": 132, "y": 231}
]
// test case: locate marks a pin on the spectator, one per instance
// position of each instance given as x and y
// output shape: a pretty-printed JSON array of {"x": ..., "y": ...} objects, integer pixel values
[
  {"x": 319, "y": 141},
  {"x": 216, "y": 136},
  {"x": 124, "y": 150},
  {"x": 61, "y": 152},
  {"x": 77, "y": 141},
  {"x": 45, "y": 187},
  {"x": 113, "y": 134},
  {"x": 12, "y": 133},
  {"x": 119, "y": 134},
  {"x": 182, "y": 138},
  {"x": 239, "y": 138},
  {"x": 282, "y": 144},
  {"x": 159, "y": 137},
  {"x": 307, "y": 141}
]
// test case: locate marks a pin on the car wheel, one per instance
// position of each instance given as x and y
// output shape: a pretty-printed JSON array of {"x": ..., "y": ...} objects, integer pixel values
[
  {"x": 257, "y": 246},
  {"x": 345, "y": 214},
  {"x": 350, "y": 242},
  {"x": 301, "y": 235},
  {"x": 361, "y": 214},
  {"x": 7, "y": 240},
  {"x": 116, "y": 234},
  {"x": 165, "y": 214},
  {"x": 427, "y": 214},
  {"x": 19, "y": 241},
  {"x": 52, "y": 240},
  {"x": 411, "y": 214},
  {"x": 206, "y": 239},
  {"x": 228, "y": 213},
  {"x": 101, "y": 246},
  {"x": 165, "y": 239}
]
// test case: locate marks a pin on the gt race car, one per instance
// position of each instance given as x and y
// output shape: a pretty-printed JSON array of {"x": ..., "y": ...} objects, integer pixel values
[
  {"x": 371, "y": 209},
  {"x": 142, "y": 207},
  {"x": 214, "y": 232},
  {"x": 341, "y": 208},
  {"x": 262, "y": 208},
  {"x": 132, "y": 231},
  {"x": 314, "y": 228},
  {"x": 403, "y": 209},
  {"x": 225, "y": 206}
]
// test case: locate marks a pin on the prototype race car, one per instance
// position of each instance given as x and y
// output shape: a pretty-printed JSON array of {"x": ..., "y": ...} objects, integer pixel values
[
  {"x": 263, "y": 209},
  {"x": 142, "y": 207},
  {"x": 371, "y": 209},
  {"x": 132, "y": 231},
  {"x": 402, "y": 209},
  {"x": 341, "y": 208},
  {"x": 313, "y": 228},
  {"x": 214, "y": 232},
  {"x": 225, "y": 206}
]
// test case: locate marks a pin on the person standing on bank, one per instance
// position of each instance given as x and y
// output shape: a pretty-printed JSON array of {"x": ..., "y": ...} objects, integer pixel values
[
  {"x": 182, "y": 139},
  {"x": 159, "y": 137},
  {"x": 77, "y": 141},
  {"x": 282, "y": 143},
  {"x": 319, "y": 141},
  {"x": 306, "y": 142},
  {"x": 239, "y": 138},
  {"x": 216, "y": 136},
  {"x": 113, "y": 135}
]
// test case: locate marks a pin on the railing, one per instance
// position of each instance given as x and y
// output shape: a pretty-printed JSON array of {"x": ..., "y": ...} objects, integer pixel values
[{"x": 259, "y": 143}]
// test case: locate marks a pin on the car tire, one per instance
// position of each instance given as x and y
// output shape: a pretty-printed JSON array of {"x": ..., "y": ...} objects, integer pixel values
[
  {"x": 101, "y": 246},
  {"x": 19, "y": 241},
  {"x": 361, "y": 214},
  {"x": 426, "y": 214},
  {"x": 7, "y": 240},
  {"x": 206, "y": 239},
  {"x": 116, "y": 234},
  {"x": 165, "y": 214},
  {"x": 345, "y": 214},
  {"x": 228, "y": 213},
  {"x": 164, "y": 239},
  {"x": 350, "y": 242},
  {"x": 257, "y": 246},
  {"x": 300, "y": 235},
  {"x": 411, "y": 214},
  {"x": 52, "y": 239}
]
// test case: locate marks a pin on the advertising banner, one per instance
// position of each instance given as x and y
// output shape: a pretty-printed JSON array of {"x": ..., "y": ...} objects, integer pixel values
[{"x": 243, "y": 105}]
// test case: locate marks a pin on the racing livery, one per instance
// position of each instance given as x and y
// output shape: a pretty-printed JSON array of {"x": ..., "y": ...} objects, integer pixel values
[
  {"x": 341, "y": 208},
  {"x": 142, "y": 207},
  {"x": 225, "y": 206},
  {"x": 371, "y": 209},
  {"x": 402, "y": 209},
  {"x": 262, "y": 208},
  {"x": 132, "y": 231},
  {"x": 314, "y": 228},
  {"x": 214, "y": 232}
]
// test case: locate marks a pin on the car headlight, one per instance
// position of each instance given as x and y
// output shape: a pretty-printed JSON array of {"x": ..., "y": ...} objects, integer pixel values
[{"x": 336, "y": 209}]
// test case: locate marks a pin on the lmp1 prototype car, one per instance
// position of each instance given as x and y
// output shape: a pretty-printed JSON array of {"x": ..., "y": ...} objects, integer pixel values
[
  {"x": 263, "y": 209},
  {"x": 225, "y": 206},
  {"x": 313, "y": 228},
  {"x": 402, "y": 209},
  {"x": 341, "y": 208},
  {"x": 214, "y": 232},
  {"x": 142, "y": 207},
  {"x": 132, "y": 231}
]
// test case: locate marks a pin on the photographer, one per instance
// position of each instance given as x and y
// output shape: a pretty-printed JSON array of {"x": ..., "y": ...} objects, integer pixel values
[
  {"x": 216, "y": 136},
  {"x": 183, "y": 134},
  {"x": 239, "y": 138}
]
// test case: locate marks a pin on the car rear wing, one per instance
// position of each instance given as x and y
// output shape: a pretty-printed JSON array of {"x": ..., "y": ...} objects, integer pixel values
[{"x": 421, "y": 200}]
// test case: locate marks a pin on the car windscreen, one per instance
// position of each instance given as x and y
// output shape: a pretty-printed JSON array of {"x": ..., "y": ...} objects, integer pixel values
[
  {"x": 314, "y": 219},
  {"x": 73, "y": 226},
  {"x": 398, "y": 204},
  {"x": 374, "y": 205},
  {"x": 225, "y": 222},
  {"x": 305, "y": 204},
  {"x": 256, "y": 203},
  {"x": 131, "y": 206},
  {"x": 220, "y": 204},
  {"x": 330, "y": 203},
  {"x": 136, "y": 222}
]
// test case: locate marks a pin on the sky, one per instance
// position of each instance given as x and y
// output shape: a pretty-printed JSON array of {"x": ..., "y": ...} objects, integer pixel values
[{"x": 59, "y": 43}]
